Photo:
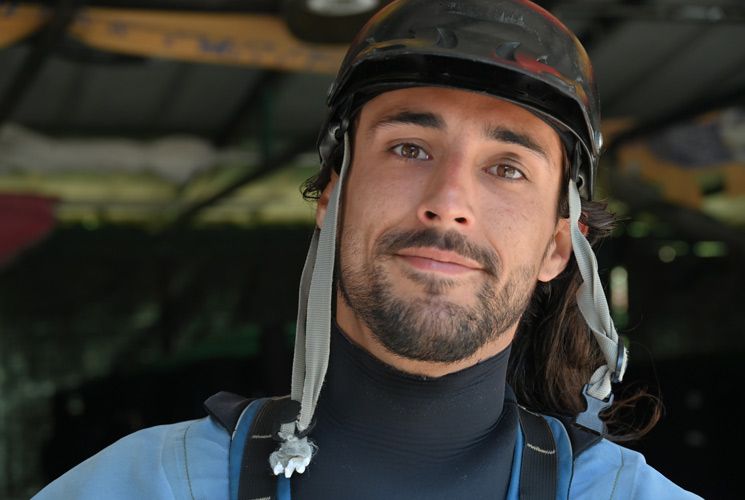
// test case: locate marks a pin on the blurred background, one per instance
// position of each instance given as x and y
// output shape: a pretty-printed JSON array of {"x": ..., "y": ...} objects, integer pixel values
[{"x": 152, "y": 231}]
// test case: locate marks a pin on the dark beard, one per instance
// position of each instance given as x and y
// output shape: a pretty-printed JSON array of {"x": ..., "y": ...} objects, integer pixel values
[{"x": 431, "y": 328}]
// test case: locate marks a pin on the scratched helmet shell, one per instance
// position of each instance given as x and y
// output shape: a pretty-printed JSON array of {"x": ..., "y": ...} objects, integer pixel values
[{"x": 512, "y": 49}]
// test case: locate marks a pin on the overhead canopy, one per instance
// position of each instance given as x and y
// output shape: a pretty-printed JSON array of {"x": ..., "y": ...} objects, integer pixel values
[
  {"x": 258, "y": 40},
  {"x": 247, "y": 80}
]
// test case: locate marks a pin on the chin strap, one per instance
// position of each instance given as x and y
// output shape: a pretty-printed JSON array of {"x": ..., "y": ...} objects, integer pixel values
[
  {"x": 312, "y": 337},
  {"x": 594, "y": 307}
]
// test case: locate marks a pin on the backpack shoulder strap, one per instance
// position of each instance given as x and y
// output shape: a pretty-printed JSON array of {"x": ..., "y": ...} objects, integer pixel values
[
  {"x": 257, "y": 481},
  {"x": 252, "y": 424},
  {"x": 538, "y": 470},
  {"x": 548, "y": 447}
]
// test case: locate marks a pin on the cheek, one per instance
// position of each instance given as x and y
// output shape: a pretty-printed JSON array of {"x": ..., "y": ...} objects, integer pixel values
[
  {"x": 375, "y": 194},
  {"x": 361, "y": 202},
  {"x": 367, "y": 208},
  {"x": 521, "y": 230}
]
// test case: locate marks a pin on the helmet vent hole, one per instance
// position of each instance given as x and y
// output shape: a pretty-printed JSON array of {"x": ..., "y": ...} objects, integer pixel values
[
  {"x": 442, "y": 37},
  {"x": 507, "y": 50},
  {"x": 542, "y": 59}
]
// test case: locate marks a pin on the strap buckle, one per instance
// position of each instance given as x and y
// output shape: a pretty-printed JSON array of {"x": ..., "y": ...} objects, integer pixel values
[
  {"x": 617, "y": 375},
  {"x": 590, "y": 418}
]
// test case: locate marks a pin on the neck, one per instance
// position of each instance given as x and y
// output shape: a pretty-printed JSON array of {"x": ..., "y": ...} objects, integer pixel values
[
  {"x": 461, "y": 407},
  {"x": 382, "y": 433}
]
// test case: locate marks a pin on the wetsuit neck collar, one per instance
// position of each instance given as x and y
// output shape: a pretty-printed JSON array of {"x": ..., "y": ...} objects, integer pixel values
[{"x": 447, "y": 413}]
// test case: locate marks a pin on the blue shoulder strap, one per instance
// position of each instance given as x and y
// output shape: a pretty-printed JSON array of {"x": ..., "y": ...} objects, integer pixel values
[
  {"x": 564, "y": 457},
  {"x": 539, "y": 468},
  {"x": 251, "y": 425},
  {"x": 543, "y": 463}
]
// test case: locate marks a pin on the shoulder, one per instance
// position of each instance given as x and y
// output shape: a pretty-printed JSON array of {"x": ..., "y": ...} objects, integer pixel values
[
  {"x": 607, "y": 470},
  {"x": 184, "y": 460}
]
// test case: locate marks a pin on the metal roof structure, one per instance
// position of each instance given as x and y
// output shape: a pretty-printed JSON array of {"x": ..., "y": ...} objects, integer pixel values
[{"x": 247, "y": 80}]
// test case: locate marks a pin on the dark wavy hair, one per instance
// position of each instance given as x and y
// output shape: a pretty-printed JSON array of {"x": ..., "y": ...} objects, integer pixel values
[{"x": 553, "y": 352}]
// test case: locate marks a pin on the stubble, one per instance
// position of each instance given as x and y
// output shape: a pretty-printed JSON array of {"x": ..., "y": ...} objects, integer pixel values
[{"x": 430, "y": 326}]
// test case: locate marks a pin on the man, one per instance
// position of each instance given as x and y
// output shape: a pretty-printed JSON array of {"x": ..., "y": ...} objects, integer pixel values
[{"x": 458, "y": 164}]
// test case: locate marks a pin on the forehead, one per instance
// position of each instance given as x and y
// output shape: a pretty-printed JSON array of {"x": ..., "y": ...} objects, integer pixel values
[
  {"x": 454, "y": 110},
  {"x": 478, "y": 106}
]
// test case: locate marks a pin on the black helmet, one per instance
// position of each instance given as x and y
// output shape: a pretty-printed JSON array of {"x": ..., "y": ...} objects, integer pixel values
[{"x": 512, "y": 49}]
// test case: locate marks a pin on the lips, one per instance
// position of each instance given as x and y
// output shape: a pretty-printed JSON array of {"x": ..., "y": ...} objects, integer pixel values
[
  {"x": 432, "y": 249},
  {"x": 434, "y": 259}
]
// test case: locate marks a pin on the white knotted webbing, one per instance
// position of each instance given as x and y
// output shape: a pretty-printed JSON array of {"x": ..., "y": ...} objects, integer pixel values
[
  {"x": 593, "y": 305},
  {"x": 313, "y": 334}
]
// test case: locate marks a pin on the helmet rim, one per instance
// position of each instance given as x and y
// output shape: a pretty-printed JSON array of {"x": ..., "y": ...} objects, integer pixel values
[{"x": 446, "y": 44}]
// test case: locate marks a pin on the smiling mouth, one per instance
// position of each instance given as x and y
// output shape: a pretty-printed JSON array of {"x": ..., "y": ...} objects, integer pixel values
[{"x": 432, "y": 259}]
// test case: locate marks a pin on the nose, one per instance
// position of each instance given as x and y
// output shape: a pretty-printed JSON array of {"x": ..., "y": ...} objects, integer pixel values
[{"x": 447, "y": 199}]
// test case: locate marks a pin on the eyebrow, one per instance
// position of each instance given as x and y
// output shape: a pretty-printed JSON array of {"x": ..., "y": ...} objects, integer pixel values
[
  {"x": 432, "y": 120},
  {"x": 406, "y": 117},
  {"x": 510, "y": 136}
]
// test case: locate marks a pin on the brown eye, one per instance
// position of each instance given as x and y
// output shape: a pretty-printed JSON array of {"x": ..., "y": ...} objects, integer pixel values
[
  {"x": 410, "y": 152},
  {"x": 506, "y": 171}
]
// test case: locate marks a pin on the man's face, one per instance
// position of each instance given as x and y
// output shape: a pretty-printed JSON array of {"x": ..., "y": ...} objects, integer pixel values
[{"x": 449, "y": 220}]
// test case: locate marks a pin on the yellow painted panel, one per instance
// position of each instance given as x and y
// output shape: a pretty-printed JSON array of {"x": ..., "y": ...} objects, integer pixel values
[
  {"x": 18, "y": 22},
  {"x": 242, "y": 39},
  {"x": 734, "y": 179},
  {"x": 677, "y": 185}
]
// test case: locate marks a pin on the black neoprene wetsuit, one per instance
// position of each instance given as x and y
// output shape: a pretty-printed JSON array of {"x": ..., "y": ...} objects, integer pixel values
[{"x": 384, "y": 434}]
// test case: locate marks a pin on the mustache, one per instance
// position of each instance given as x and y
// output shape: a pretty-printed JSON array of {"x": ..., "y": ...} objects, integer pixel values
[{"x": 451, "y": 241}]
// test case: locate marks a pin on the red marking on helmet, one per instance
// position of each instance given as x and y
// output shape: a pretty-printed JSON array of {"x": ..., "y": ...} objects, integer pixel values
[{"x": 529, "y": 63}]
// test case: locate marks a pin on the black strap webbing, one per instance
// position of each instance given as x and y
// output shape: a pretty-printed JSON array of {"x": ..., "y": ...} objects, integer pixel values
[
  {"x": 257, "y": 480},
  {"x": 580, "y": 438},
  {"x": 538, "y": 473}
]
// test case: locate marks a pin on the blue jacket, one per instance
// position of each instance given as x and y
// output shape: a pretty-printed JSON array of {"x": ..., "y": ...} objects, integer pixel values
[{"x": 189, "y": 460}]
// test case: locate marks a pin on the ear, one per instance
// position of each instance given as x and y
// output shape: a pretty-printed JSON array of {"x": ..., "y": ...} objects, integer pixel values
[
  {"x": 558, "y": 252},
  {"x": 323, "y": 201}
]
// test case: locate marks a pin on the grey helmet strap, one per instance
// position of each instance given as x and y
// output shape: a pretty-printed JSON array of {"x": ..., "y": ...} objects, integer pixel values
[
  {"x": 312, "y": 338},
  {"x": 594, "y": 308}
]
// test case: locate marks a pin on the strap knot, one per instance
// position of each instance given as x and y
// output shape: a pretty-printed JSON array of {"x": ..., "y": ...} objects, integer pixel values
[{"x": 293, "y": 455}]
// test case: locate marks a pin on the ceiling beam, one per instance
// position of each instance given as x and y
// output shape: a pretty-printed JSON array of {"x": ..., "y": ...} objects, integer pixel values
[
  {"x": 644, "y": 72},
  {"x": 635, "y": 10},
  {"x": 686, "y": 112},
  {"x": 266, "y": 166},
  {"x": 263, "y": 6},
  {"x": 47, "y": 40},
  {"x": 254, "y": 96}
]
